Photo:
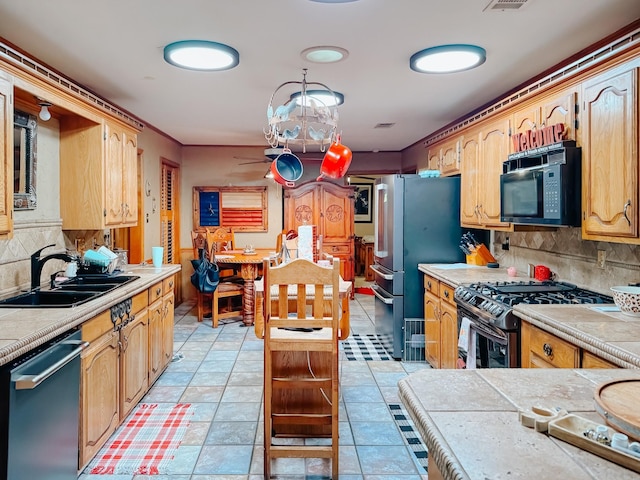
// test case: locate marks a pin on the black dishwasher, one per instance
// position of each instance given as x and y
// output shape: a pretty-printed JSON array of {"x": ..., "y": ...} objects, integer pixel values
[{"x": 39, "y": 411}]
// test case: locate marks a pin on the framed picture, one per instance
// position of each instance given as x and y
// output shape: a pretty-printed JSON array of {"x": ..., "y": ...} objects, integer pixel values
[{"x": 363, "y": 202}]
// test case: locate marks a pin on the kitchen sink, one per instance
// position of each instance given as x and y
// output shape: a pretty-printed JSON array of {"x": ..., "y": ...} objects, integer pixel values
[
  {"x": 49, "y": 299},
  {"x": 75, "y": 291}
]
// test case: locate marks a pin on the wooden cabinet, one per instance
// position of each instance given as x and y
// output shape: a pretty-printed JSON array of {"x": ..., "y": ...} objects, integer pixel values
[
  {"x": 331, "y": 208},
  {"x": 483, "y": 151},
  {"x": 6, "y": 157},
  {"x": 98, "y": 174},
  {"x": 541, "y": 349},
  {"x": 121, "y": 177},
  {"x": 441, "y": 324},
  {"x": 130, "y": 345},
  {"x": 364, "y": 258},
  {"x": 445, "y": 156},
  {"x": 610, "y": 156}
]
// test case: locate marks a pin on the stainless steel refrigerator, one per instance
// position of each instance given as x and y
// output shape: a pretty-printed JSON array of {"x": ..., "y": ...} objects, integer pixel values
[{"x": 417, "y": 220}]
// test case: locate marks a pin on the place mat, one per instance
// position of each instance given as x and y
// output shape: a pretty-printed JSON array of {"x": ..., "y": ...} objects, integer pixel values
[
  {"x": 364, "y": 347},
  {"x": 145, "y": 443}
]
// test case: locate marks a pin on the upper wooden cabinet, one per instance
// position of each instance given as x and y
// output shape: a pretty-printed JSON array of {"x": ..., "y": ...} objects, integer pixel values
[
  {"x": 445, "y": 156},
  {"x": 549, "y": 110},
  {"x": 483, "y": 150},
  {"x": 98, "y": 174},
  {"x": 331, "y": 208},
  {"x": 610, "y": 156},
  {"x": 6, "y": 159}
]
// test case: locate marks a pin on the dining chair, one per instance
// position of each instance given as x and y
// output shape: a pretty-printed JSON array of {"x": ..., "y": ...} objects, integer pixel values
[
  {"x": 226, "y": 301},
  {"x": 301, "y": 385}
]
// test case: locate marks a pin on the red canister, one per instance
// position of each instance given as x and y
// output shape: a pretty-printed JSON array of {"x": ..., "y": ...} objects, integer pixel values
[{"x": 542, "y": 273}]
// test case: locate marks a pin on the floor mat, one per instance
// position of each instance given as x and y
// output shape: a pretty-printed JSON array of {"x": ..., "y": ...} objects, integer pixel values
[
  {"x": 145, "y": 443},
  {"x": 364, "y": 290},
  {"x": 410, "y": 434},
  {"x": 364, "y": 347}
]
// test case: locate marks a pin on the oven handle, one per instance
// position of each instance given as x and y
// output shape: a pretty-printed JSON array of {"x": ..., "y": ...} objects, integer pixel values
[
  {"x": 488, "y": 332},
  {"x": 383, "y": 298},
  {"x": 29, "y": 382},
  {"x": 377, "y": 271}
]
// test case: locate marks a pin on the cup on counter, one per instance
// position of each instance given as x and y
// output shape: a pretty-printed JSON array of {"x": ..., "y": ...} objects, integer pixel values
[
  {"x": 512, "y": 271},
  {"x": 542, "y": 273},
  {"x": 157, "y": 255}
]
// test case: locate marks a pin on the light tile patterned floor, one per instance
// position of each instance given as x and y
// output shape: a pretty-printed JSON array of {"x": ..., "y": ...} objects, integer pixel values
[{"x": 221, "y": 374}]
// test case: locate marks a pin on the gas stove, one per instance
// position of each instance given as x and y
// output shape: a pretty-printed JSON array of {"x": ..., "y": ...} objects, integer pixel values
[{"x": 492, "y": 302}]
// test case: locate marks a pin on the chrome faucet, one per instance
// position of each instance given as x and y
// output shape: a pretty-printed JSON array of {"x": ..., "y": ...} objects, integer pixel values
[{"x": 38, "y": 262}]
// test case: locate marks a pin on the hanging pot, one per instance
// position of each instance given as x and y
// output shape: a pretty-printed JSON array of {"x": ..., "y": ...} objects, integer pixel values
[
  {"x": 336, "y": 161},
  {"x": 286, "y": 168}
]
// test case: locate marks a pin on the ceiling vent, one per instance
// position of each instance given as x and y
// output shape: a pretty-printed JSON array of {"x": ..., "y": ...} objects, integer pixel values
[
  {"x": 384, "y": 125},
  {"x": 504, "y": 5}
]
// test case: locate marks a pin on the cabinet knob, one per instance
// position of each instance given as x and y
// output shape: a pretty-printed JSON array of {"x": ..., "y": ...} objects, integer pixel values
[
  {"x": 158, "y": 291},
  {"x": 446, "y": 293},
  {"x": 429, "y": 283},
  {"x": 548, "y": 350}
]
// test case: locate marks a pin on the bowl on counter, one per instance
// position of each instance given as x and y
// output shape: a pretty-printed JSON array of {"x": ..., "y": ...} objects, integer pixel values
[{"x": 628, "y": 299}]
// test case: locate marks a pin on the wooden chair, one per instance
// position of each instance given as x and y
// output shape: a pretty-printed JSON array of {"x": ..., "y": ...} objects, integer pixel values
[
  {"x": 301, "y": 392},
  {"x": 199, "y": 241},
  {"x": 226, "y": 301}
]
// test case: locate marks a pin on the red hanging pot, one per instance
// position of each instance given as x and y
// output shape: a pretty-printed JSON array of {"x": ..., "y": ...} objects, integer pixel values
[
  {"x": 336, "y": 160},
  {"x": 286, "y": 168}
]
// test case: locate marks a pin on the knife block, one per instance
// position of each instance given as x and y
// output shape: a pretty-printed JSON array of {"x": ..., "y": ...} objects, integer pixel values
[
  {"x": 475, "y": 259},
  {"x": 480, "y": 256}
]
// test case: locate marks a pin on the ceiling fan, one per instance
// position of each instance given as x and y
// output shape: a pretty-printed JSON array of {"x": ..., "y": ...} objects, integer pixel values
[{"x": 270, "y": 154}]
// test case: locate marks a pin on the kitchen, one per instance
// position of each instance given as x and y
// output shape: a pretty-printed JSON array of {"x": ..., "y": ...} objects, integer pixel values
[{"x": 571, "y": 257}]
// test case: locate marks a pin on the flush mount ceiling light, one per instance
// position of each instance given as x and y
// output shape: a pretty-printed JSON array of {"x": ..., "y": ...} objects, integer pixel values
[
  {"x": 447, "y": 59},
  {"x": 201, "y": 55},
  {"x": 328, "y": 98},
  {"x": 299, "y": 118},
  {"x": 324, "y": 54}
]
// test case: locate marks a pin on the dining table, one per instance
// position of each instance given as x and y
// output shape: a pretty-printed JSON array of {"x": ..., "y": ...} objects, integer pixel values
[{"x": 250, "y": 267}]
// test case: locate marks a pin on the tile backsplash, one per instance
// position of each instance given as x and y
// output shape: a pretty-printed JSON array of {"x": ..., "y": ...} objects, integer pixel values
[{"x": 572, "y": 259}]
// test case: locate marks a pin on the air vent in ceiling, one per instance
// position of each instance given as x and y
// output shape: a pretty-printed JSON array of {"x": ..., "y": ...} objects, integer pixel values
[
  {"x": 502, "y": 5},
  {"x": 384, "y": 125}
]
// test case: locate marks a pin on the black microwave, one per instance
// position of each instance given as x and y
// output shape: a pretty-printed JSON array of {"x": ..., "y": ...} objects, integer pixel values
[{"x": 542, "y": 186}]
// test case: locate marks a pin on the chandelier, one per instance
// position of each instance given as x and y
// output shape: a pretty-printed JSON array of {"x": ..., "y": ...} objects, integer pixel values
[{"x": 307, "y": 116}]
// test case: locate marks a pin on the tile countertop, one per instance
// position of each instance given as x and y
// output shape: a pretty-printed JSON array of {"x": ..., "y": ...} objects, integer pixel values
[
  {"x": 611, "y": 335},
  {"x": 471, "y": 428},
  {"x": 23, "y": 329}
]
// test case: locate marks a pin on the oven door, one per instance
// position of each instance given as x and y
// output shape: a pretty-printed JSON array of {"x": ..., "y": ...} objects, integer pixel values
[{"x": 483, "y": 346}]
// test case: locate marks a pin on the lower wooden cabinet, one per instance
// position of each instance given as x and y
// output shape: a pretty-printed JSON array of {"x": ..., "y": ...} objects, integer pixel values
[
  {"x": 541, "y": 349},
  {"x": 440, "y": 324},
  {"x": 127, "y": 353}
]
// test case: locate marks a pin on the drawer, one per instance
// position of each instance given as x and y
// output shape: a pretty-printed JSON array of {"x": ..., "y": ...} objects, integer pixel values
[
  {"x": 97, "y": 326},
  {"x": 155, "y": 292},
  {"x": 432, "y": 285},
  {"x": 553, "y": 350},
  {"x": 337, "y": 249},
  {"x": 446, "y": 293},
  {"x": 139, "y": 302},
  {"x": 168, "y": 284}
]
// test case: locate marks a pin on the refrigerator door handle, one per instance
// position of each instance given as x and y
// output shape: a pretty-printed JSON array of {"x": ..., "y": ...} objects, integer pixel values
[
  {"x": 378, "y": 271},
  {"x": 383, "y": 298}
]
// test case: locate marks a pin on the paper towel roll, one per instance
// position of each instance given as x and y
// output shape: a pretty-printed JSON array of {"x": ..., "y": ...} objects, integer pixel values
[{"x": 307, "y": 242}]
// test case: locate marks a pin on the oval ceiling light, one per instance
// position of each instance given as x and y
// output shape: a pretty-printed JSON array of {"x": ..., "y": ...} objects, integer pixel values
[
  {"x": 447, "y": 59},
  {"x": 324, "y": 97},
  {"x": 324, "y": 54},
  {"x": 201, "y": 55}
]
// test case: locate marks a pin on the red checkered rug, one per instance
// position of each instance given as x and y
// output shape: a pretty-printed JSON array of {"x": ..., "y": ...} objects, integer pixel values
[{"x": 145, "y": 443}]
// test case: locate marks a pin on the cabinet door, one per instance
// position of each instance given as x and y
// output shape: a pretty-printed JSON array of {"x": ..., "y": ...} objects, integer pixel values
[
  {"x": 168, "y": 307},
  {"x": 448, "y": 335},
  {"x": 561, "y": 108},
  {"x": 527, "y": 118},
  {"x": 450, "y": 158},
  {"x": 610, "y": 156},
  {"x": 134, "y": 362},
  {"x": 432, "y": 329},
  {"x": 300, "y": 206},
  {"x": 113, "y": 175},
  {"x": 336, "y": 213},
  {"x": 469, "y": 179},
  {"x": 130, "y": 179},
  {"x": 6, "y": 158},
  {"x": 99, "y": 408},
  {"x": 494, "y": 149},
  {"x": 155, "y": 341},
  {"x": 433, "y": 158}
]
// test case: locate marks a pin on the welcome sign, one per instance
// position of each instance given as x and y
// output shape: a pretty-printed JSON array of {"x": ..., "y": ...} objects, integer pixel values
[{"x": 538, "y": 138}]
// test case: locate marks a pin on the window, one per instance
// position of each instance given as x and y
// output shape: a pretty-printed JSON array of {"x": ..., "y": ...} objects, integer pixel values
[{"x": 242, "y": 208}]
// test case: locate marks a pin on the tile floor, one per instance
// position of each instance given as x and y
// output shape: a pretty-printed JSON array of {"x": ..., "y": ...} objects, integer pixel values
[{"x": 221, "y": 374}]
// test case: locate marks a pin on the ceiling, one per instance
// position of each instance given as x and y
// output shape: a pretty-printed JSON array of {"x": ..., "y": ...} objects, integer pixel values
[{"x": 115, "y": 49}]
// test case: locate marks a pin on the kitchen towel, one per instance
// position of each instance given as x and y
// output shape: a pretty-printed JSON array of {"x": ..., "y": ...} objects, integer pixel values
[{"x": 467, "y": 344}]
